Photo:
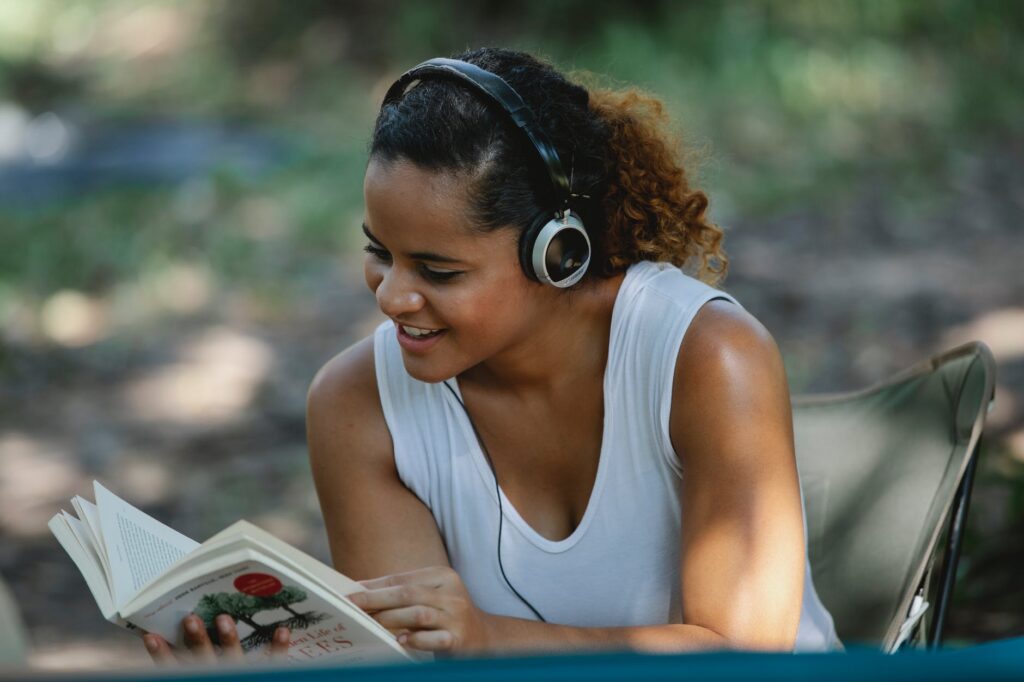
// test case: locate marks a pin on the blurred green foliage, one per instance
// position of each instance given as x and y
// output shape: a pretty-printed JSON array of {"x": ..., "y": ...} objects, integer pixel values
[{"x": 796, "y": 100}]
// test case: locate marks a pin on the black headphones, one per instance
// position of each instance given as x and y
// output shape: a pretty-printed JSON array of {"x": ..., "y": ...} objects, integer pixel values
[{"x": 555, "y": 248}]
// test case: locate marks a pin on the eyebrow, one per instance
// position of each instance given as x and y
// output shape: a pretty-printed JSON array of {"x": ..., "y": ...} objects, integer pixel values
[{"x": 418, "y": 255}]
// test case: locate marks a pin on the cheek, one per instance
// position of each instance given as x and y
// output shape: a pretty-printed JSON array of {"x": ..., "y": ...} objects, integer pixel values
[
  {"x": 373, "y": 274},
  {"x": 498, "y": 313}
]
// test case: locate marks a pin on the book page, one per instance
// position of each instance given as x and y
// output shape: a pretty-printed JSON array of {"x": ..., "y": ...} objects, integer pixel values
[
  {"x": 87, "y": 535},
  {"x": 62, "y": 527},
  {"x": 84, "y": 537},
  {"x": 90, "y": 516},
  {"x": 139, "y": 548}
]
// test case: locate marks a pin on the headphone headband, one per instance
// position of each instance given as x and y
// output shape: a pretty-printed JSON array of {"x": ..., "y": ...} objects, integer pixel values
[
  {"x": 555, "y": 248},
  {"x": 501, "y": 92}
]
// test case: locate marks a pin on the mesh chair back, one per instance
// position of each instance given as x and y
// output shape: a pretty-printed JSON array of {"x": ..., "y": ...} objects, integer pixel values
[{"x": 879, "y": 469}]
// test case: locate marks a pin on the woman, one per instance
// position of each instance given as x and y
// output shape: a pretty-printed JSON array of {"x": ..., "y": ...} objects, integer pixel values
[{"x": 511, "y": 465}]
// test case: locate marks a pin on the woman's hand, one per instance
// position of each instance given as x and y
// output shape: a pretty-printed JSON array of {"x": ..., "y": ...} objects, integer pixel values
[
  {"x": 428, "y": 609},
  {"x": 202, "y": 650}
]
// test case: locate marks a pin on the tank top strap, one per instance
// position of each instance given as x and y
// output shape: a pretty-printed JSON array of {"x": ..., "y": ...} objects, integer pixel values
[
  {"x": 415, "y": 412},
  {"x": 658, "y": 304}
]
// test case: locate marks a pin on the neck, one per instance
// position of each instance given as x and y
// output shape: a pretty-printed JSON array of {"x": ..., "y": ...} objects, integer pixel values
[{"x": 568, "y": 343}]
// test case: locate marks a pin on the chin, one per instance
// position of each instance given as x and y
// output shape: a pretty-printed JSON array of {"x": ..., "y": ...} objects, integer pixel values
[{"x": 425, "y": 373}]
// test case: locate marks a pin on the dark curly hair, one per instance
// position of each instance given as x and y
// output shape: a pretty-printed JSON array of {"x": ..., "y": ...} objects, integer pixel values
[{"x": 616, "y": 142}]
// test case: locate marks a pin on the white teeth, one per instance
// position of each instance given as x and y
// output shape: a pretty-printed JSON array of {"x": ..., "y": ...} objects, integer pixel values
[{"x": 418, "y": 333}]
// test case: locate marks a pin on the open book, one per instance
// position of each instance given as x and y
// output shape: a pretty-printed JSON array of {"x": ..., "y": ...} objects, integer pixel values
[{"x": 146, "y": 576}]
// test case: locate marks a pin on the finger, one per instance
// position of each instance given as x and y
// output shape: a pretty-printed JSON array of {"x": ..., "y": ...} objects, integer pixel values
[
  {"x": 159, "y": 650},
  {"x": 396, "y": 632},
  {"x": 433, "y": 576},
  {"x": 386, "y": 581},
  {"x": 418, "y": 617},
  {"x": 392, "y": 597},
  {"x": 197, "y": 641},
  {"x": 428, "y": 640},
  {"x": 279, "y": 645},
  {"x": 227, "y": 634}
]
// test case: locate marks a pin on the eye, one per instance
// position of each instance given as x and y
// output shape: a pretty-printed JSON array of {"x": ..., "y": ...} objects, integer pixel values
[
  {"x": 379, "y": 254},
  {"x": 439, "y": 276}
]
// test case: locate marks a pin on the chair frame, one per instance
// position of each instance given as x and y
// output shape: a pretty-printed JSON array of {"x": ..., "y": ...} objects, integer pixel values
[
  {"x": 951, "y": 556},
  {"x": 956, "y": 513}
]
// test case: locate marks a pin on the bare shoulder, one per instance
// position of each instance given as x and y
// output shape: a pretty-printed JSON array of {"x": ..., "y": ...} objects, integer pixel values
[
  {"x": 347, "y": 381},
  {"x": 345, "y": 425},
  {"x": 722, "y": 329},
  {"x": 729, "y": 371},
  {"x": 350, "y": 376},
  {"x": 343, "y": 407}
]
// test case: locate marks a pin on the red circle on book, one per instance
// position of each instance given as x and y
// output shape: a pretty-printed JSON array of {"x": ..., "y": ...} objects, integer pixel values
[{"x": 258, "y": 584}]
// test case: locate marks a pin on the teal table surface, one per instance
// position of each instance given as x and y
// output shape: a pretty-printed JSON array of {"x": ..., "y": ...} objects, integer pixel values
[{"x": 1000, "y": 660}]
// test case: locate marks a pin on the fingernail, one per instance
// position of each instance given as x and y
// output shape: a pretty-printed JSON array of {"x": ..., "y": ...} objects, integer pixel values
[
  {"x": 356, "y": 598},
  {"x": 224, "y": 625},
  {"x": 402, "y": 639},
  {"x": 150, "y": 642},
  {"x": 191, "y": 626},
  {"x": 281, "y": 635}
]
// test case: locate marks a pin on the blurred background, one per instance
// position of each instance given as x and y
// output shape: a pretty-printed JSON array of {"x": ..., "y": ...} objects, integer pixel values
[{"x": 181, "y": 191}]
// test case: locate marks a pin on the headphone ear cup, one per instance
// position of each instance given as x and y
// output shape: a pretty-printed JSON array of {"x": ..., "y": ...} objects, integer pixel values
[
  {"x": 555, "y": 251},
  {"x": 527, "y": 239}
]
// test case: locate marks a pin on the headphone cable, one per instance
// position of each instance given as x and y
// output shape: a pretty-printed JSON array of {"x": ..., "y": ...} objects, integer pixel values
[{"x": 501, "y": 513}]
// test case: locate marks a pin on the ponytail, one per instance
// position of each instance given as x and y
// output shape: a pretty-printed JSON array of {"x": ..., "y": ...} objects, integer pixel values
[{"x": 650, "y": 210}]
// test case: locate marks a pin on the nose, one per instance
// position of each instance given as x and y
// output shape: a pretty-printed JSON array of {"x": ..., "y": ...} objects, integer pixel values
[{"x": 397, "y": 295}]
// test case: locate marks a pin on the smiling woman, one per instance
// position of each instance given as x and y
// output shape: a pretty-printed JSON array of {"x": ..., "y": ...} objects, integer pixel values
[{"x": 560, "y": 439}]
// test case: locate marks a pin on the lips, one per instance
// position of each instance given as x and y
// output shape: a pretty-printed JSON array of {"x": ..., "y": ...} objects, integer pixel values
[
  {"x": 418, "y": 343},
  {"x": 419, "y": 332}
]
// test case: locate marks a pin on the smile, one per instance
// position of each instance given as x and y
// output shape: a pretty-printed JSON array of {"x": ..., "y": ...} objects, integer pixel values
[
  {"x": 418, "y": 340},
  {"x": 419, "y": 333}
]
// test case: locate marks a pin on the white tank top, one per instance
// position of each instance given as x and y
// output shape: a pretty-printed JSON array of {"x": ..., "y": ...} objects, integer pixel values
[{"x": 620, "y": 566}]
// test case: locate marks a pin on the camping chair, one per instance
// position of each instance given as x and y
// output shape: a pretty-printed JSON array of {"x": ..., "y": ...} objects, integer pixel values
[{"x": 883, "y": 470}]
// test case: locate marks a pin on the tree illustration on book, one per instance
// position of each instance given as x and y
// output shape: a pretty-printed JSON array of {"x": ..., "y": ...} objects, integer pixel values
[{"x": 257, "y": 592}]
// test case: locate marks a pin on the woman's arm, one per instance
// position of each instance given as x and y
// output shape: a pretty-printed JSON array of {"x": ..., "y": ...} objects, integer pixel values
[
  {"x": 742, "y": 561},
  {"x": 743, "y": 553},
  {"x": 375, "y": 525}
]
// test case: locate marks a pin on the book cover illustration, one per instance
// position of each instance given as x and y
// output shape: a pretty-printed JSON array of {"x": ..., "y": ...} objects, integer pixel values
[
  {"x": 257, "y": 594},
  {"x": 260, "y": 599}
]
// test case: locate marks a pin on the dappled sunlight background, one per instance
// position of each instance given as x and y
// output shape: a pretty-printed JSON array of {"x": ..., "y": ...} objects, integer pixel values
[{"x": 181, "y": 192}]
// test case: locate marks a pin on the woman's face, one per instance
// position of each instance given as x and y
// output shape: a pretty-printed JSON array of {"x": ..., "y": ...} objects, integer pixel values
[{"x": 430, "y": 271}]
